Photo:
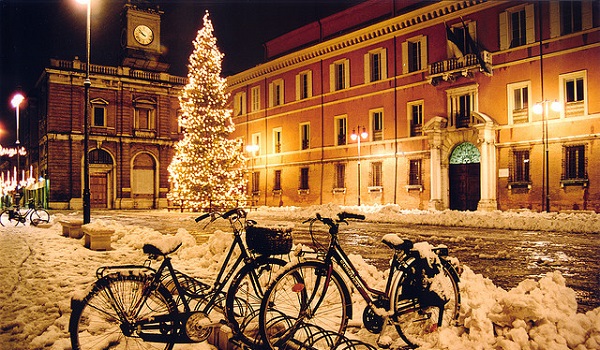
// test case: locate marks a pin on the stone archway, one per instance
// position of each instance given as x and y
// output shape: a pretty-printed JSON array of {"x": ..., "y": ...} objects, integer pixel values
[{"x": 464, "y": 177}]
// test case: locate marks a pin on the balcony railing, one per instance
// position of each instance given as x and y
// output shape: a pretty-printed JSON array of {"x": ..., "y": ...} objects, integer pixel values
[{"x": 452, "y": 68}]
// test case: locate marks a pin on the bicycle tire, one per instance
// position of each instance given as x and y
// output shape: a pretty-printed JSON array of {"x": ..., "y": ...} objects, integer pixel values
[
  {"x": 294, "y": 304},
  {"x": 7, "y": 218},
  {"x": 415, "y": 321},
  {"x": 97, "y": 320},
  {"x": 39, "y": 216},
  {"x": 244, "y": 298}
]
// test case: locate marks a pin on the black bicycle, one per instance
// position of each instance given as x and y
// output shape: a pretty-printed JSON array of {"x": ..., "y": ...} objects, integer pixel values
[
  {"x": 18, "y": 215},
  {"x": 139, "y": 307},
  {"x": 309, "y": 304}
]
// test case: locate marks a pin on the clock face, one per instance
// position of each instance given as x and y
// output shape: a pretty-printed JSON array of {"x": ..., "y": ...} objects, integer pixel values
[{"x": 143, "y": 34}]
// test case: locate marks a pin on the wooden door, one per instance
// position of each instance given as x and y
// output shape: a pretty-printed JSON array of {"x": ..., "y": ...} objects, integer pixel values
[
  {"x": 464, "y": 186},
  {"x": 98, "y": 191}
]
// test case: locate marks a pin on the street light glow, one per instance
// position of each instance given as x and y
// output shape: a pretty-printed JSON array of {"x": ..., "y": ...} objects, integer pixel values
[{"x": 16, "y": 100}]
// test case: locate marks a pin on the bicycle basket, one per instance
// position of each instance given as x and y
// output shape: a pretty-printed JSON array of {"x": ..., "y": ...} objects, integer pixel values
[{"x": 269, "y": 240}]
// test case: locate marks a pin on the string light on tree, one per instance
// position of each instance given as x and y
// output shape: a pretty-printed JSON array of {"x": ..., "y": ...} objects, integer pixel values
[{"x": 208, "y": 167}]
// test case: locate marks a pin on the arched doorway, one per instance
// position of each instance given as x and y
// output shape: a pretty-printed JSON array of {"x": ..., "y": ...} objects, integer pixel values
[
  {"x": 464, "y": 176},
  {"x": 143, "y": 178},
  {"x": 101, "y": 165}
]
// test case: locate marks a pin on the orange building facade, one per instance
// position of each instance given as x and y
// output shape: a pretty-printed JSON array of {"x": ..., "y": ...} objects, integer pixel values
[{"x": 466, "y": 105}]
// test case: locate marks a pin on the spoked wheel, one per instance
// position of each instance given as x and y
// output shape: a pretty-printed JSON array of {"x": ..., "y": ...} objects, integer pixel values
[
  {"x": 245, "y": 296},
  {"x": 418, "y": 317},
  {"x": 7, "y": 218},
  {"x": 298, "y": 302},
  {"x": 105, "y": 318},
  {"x": 39, "y": 216}
]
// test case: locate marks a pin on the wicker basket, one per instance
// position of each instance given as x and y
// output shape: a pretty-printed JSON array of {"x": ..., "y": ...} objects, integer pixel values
[{"x": 269, "y": 240}]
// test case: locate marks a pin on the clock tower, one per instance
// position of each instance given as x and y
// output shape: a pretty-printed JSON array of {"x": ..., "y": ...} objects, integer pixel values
[{"x": 140, "y": 36}]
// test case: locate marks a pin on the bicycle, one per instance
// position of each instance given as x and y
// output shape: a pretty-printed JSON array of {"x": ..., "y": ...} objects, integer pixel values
[
  {"x": 18, "y": 215},
  {"x": 137, "y": 306},
  {"x": 309, "y": 304}
]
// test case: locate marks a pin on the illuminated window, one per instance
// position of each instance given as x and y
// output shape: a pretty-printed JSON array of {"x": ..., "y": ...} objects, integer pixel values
[
  {"x": 573, "y": 93},
  {"x": 255, "y": 95},
  {"x": 239, "y": 104},
  {"x": 518, "y": 103}
]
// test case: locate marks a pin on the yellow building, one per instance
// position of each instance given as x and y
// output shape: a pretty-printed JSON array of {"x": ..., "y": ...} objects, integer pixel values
[{"x": 467, "y": 105}]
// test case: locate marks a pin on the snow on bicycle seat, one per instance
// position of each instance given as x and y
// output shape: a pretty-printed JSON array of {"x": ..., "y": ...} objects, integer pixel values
[
  {"x": 394, "y": 241},
  {"x": 162, "y": 247}
]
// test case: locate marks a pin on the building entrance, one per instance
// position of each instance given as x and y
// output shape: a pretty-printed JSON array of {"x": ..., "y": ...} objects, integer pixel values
[{"x": 464, "y": 176}]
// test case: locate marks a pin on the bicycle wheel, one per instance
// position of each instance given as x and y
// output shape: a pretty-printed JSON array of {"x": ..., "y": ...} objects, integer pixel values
[
  {"x": 300, "y": 300},
  {"x": 417, "y": 316},
  {"x": 7, "y": 218},
  {"x": 105, "y": 318},
  {"x": 39, "y": 216},
  {"x": 245, "y": 295}
]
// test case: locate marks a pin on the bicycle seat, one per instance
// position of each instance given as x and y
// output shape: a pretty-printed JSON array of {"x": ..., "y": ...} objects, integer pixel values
[
  {"x": 394, "y": 241},
  {"x": 160, "y": 249}
]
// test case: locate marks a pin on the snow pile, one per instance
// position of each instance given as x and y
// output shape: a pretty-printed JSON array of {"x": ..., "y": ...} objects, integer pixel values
[{"x": 41, "y": 271}]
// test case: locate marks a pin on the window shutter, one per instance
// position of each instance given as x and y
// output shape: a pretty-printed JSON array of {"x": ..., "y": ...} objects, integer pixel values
[
  {"x": 405, "y": 57},
  {"x": 530, "y": 23},
  {"x": 383, "y": 64},
  {"x": 367, "y": 59},
  {"x": 332, "y": 77},
  {"x": 424, "y": 52},
  {"x": 503, "y": 19},
  {"x": 346, "y": 73},
  {"x": 298, "y": 86},
  {"x": 554, "y": 19},
  {"x": 586, "y": 15}
]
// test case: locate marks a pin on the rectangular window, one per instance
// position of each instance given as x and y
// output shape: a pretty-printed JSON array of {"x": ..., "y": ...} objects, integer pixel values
[
  {"x": 575, "y": 163},
  {"x": 277, "y": 96},
  {"x": 303, "y": 179},
  {"x": 340, "y": 176},
  {"x": 239, "y": 104},
  {"x": 520, "y": 166},
  {"x": 415, "y": 117},
  {"x": 377, "y": 125},
  {"x": 255, "y": 92},
  {"x": 340, "y": 130},
  {"x": 517, "y": 26},
  {"x": 305, "y": 136},
  {"x": 304, "y": 85},
  {"x": 519, "y": 102},
  {"x": 461, "y": 102},
  {"x": 256, "y": 183},
  {"x": 277, "y": 180},
  {"x": 339, "y": 75},
  {"x": 277, "y": 140},
  {"x": 144, "y": 118},
  {"x": 375, "y": 65},
  {"x": 414, "y": 173},
  {"x": 99, "y": 115},
  {"x": 377, "y": 174},
  {"x": 573, "y": 93},
  {"x": 570, "y": 17},
  {"x": 255, "y": 145},
  {"x": 414, "y": 54}
]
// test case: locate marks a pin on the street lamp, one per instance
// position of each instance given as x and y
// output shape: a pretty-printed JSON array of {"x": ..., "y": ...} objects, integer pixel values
[
  {"x": 16, "y": 102},
  {"x": 356, "y": 137},
  {"x": 541, "y": 108},
  {"x": 86, "y": 127}
]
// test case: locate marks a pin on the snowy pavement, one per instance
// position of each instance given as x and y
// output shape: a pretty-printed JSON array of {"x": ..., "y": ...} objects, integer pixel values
[{"x": 41, "y": 269}]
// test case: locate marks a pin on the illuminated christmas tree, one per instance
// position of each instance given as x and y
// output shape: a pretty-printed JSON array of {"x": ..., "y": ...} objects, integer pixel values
[{"x": 207, "y": 168}]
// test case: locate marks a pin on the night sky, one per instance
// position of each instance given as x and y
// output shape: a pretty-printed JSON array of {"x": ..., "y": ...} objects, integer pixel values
[{"x": 33, "y": 31}]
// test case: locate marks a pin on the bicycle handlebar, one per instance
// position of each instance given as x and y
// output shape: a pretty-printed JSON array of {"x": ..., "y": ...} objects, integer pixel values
[
  {"x": 226, "y": 215},
  {"x": 334, "y": 222}
]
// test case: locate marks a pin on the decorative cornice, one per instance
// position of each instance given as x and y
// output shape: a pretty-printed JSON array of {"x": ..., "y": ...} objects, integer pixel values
[{"x": 387, "y": 27}]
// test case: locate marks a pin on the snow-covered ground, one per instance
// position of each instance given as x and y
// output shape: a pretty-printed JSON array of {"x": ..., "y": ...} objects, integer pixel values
[{"x": 41, "y": 270}]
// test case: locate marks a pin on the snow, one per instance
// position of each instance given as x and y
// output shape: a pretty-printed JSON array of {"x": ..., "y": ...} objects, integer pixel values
[{"x": 42, "y": 270}]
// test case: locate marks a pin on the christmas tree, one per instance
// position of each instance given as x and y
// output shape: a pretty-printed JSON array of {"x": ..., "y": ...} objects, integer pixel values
[{"x": 207, "y": 168}]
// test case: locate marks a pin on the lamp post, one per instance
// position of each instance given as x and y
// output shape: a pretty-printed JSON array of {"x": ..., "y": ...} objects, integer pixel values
[
  {"x": 16, "y": 102},
  {"x": 541, "y": 108},
  {"x": 356, "y": 137},
  {"x": 86, "y": 127}
]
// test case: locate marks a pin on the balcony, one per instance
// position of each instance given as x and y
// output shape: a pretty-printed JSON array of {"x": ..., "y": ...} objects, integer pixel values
[{"x": 454, "y": 68}]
